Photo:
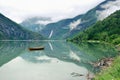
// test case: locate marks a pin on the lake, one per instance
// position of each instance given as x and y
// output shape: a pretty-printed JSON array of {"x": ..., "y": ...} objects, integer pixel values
[{"x": 59, "y": 60}]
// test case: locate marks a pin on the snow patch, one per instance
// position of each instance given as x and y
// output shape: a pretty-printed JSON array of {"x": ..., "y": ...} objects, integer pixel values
[
  {"x": 110, "y": 8},
  {"x": 74, "y": 24}
]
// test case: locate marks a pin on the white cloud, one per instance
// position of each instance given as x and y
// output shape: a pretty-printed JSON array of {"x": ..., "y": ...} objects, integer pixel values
[
  {"x": 18, "y": 10},
  {"x": 110, "y": 8},
  {"x": 43, "y": 22},
  {"x": 74, "y": 24}
]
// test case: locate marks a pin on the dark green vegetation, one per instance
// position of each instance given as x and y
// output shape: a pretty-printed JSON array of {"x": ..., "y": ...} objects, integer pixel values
[
  {"x": 10, "y": 30},
  {"x": 107, "y": 30}
]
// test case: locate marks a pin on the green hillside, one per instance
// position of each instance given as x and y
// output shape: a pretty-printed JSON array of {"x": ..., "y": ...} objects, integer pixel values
[
  {"x": 9, "y": 30},
  {"x": 107, "y": 30}
]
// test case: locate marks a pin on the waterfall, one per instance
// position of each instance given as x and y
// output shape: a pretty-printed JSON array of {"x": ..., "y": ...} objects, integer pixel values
[{"x": 51, "y": 33}]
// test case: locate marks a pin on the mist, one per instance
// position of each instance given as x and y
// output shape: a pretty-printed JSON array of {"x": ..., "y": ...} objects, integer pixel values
[{"x": 19, "y": 10}]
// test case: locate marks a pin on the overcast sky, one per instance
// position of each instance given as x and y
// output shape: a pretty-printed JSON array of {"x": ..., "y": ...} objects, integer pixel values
[{"x": 18, "y": 10}]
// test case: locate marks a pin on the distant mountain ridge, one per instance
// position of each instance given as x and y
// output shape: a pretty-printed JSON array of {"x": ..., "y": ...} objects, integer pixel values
[
  {"x": 35, "y": 24},
  {"x": 10, "y": 30},
  {"x": 67, "y": 28},
  {"x": 70, "y": 27}
]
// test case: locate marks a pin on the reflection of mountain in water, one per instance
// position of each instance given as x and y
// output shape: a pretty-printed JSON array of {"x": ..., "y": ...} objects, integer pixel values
[
  {"x": 68, "y": 52},
  {"x": 94, "y": 53},
  {"x": 10, "y": 50}
]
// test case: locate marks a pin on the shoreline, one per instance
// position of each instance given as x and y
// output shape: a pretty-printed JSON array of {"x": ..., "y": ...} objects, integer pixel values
[
  {"x": 106, "y": 71},
  {"x": 111, "y": 72}
]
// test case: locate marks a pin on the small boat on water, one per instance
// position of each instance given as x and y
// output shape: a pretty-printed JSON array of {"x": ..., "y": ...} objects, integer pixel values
[{"x": 36, "y": 48}]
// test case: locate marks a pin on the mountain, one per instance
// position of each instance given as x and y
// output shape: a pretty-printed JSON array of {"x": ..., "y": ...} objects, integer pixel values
[
  {"x": 35, "y": 24},
  {"x": 59, "y": 29},
  {"x": 107, "y": 30},
  {"x": 10, "y": 30},
  {"x": 72, "y": 26}
]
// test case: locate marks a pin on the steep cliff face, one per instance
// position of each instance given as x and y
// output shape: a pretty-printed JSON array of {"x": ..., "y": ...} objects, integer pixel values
[{"x": 12, "y": 31}]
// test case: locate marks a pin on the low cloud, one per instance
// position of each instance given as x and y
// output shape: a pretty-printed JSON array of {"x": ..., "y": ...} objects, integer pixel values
[
  {"x": 18, "y": 10},
  {"x": 74, "y": 24},
  {"x": 110, "y": 8}
]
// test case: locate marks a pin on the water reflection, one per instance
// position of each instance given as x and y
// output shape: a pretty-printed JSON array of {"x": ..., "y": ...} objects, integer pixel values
[
  {"x": 81, "y": 55},
  {"x": 12, "y": 49},
  {"x": 59, "y": 60}
]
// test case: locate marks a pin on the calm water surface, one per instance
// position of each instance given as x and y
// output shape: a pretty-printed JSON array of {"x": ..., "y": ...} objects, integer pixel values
[{"x": 59, "y": 61}]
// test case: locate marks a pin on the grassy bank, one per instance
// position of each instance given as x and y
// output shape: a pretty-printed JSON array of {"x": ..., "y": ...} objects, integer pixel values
[{"x": 112, "y": 72}]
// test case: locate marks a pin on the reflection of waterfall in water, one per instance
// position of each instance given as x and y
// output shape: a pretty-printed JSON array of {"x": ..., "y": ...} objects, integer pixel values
[
  {"x": 50, "y": 46},
  {"x": 66, "y": 61}
]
